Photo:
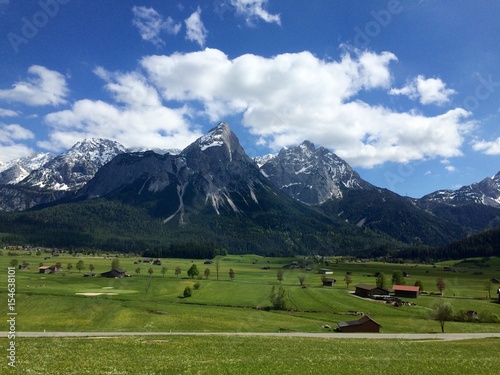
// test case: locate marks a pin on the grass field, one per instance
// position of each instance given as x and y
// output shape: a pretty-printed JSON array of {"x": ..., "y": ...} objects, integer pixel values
[
  {"x": 58, "y": 302},
  {"x": 254, "y": 355},
  {"x": 155, "y": 303}
]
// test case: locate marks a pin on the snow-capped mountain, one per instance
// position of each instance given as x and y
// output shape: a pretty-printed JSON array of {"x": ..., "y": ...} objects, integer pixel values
[
  {"x": 311, "y": 175},
  {"x": 16, "y": 170},
  {"x": 74, "y": 167},
  {"x": 485, "y": 192},
  {"x": 214, "y": 171}
]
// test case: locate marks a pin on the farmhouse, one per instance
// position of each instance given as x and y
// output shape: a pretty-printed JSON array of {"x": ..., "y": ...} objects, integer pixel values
[
  {"x": 406, "y": 291},
  {"x": 119, "y": 273},
  {"x": 49, "y": 269},
  {"x": 365, "y": 324},
  {"x": 370, "y": 291}
]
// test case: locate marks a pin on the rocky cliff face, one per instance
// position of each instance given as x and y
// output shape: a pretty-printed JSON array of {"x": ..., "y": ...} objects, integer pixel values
[{"x": 210, "y": 172}]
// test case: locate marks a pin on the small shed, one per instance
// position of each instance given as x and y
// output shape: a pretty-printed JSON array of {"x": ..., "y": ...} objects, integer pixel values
[
  {"x": 325, "y": 271},
  {"x": 116, "y": 273},
  {"x": 495, "y": 281},
  {"x": 364, "y": 324},
  {"x": 406, "y": 291},
  {"x": 328, "y": 282},
  {"x": 370, "y": 291}
]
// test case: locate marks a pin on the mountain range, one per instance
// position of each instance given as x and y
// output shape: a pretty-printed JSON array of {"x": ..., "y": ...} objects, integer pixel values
[{"x": 303, "y": 199}]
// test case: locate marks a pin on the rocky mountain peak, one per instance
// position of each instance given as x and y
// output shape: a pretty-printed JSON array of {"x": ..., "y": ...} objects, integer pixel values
[
  {"x": 76, "y": 166},
  {"x": 311, "y": 175}
]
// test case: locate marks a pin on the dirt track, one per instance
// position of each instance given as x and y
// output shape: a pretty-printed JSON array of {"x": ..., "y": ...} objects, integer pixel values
[{"x": 398, "y": 336}]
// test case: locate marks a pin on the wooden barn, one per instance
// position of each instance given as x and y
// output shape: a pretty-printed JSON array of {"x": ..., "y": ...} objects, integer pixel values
[
  {"x": 406, "y": 291},
  {"x": 328, "y": 282},
  {"x": 365, "y": 324},
  {"x": 116, "y": 273},
  {"x": 370, "y": 291}
]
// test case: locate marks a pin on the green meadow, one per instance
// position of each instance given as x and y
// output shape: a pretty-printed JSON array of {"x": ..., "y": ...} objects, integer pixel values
[
  {"x": 67, "y": 301},
  {"x": 253, "y": 355}
]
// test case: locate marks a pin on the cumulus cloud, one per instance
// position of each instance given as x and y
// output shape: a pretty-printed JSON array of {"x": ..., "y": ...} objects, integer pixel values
[
  {"x": 137, "y": 117},
  {"x": 48, "y": 88},
  {"x": 291, "y": 97},
  {"x": 253, "y": 10},
  {"x": 195, "y": 30},
  {"x": 151, "y": 24},
  {"x": 426, "y": 90},
  {"x": 487, "y": 147},
  {"x": 10, "y": 137},
  {"x": 8, "y": 113}
]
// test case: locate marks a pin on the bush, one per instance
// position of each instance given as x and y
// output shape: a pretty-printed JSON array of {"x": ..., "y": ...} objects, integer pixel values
[
  {"x": 196, "y": 286},
  {"x": 488, "y": 317},
  {"x": 187, "y": 292}
]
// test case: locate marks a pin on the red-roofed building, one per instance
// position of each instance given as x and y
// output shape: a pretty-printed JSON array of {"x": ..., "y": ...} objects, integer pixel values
[{"x": 406, "y": 291}]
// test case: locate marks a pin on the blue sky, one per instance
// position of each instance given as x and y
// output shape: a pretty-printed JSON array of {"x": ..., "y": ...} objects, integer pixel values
[{"x": 406, "y": 91}]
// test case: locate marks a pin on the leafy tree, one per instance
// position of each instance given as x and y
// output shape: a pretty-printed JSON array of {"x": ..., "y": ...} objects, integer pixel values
[
  {"x": 91, "y": 267},
  {"x": 419, "y": 284},
  {"x": 177, "y": 271},
  {"x": 187, "y": 292},
  {"x": 150, "y": 271},
  {"x": 279, "y": 276},
  {"x": 277, "y": 298},
  {"x": 381, "y": 281},
  {"x": 80, "y": 266},
  {"x": 58, "y": 265},
  {"x": 164, "y": 270},
  {"x": 14, "y": 262},
  {"x": 487, "y": 287},
  {"x": 440, "y": 284},
  {"x": 302, "y": 278},
  {"x": 193, "y": 271},
  {"x": 397, "y": 278},
  {"x": 442, "y": 312},
  {"x": 69, "y": 267},
  {"x": 207, "y": 272},
  {"x": 115, "y": 264},
  {"x": 217, "y": 267},
  {"x": 138, "y": 270},
  {"x": 231, "y": 274},
  {"x": 347, "y": 280}
]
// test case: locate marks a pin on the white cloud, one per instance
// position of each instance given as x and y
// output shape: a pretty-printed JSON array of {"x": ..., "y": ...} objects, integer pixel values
[
  {"x": 136, "y": 119},
  {"x": 49, "y": 88},
  {"x": 10, "y": 148},
  {"x": 450, "y": 168},
  {"x": 195, "y": 30},
  {"x": 253, "y": 10},
  {"x": 487, "y": 147},
  {"x": 8, "y": 113},
  {"x": 291, "y": 97},
  {"x": 426, "y": 90},
  {"x": 151, "y": 24}
]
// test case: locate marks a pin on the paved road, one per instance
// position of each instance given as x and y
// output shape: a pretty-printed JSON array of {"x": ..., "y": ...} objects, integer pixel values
[{"x": 400, "y": 336}]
